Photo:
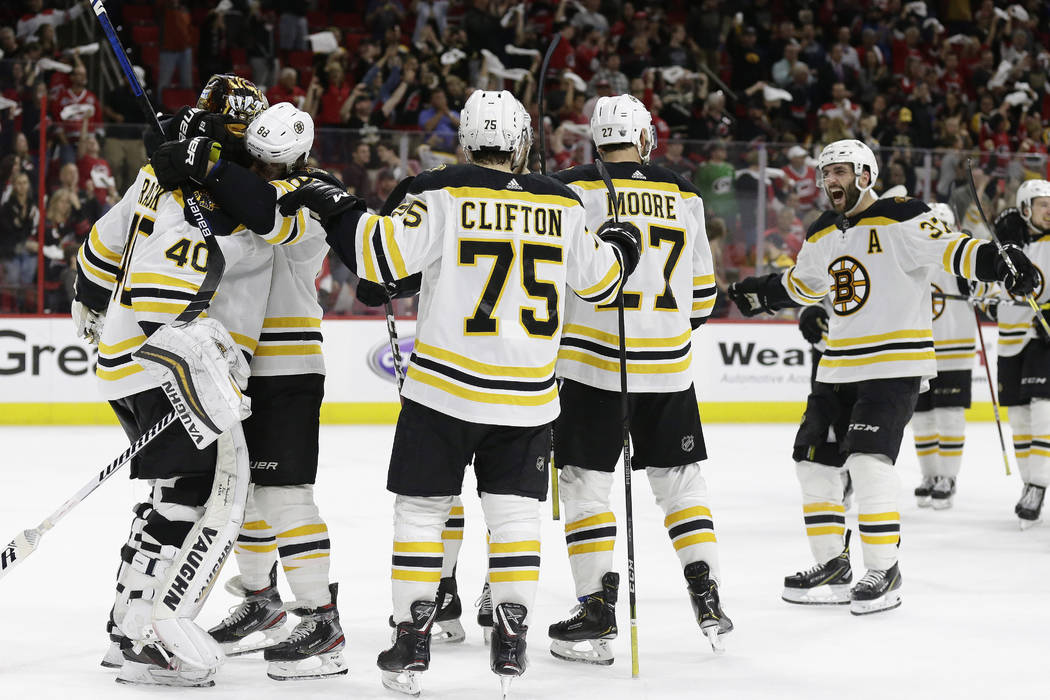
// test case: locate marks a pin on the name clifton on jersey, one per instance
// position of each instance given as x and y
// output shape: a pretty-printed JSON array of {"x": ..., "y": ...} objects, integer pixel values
[
  {"x": 631, "y": 203},
  {"x": 510, "y": 217},
  {"x": 189, "y": 570}
]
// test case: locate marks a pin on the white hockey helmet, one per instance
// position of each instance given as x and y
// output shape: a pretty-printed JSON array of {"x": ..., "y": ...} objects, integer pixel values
[
  {"x": 851, "y": 151},
  {"x": 1029, "y": 190},
  {"x": 494, "y": 120},
  {"x": 521, "y": 156},
  {"x": 281, "y": 134},
  {"x": 943, "y": 212},
  {"x": 623, "y": 119}
]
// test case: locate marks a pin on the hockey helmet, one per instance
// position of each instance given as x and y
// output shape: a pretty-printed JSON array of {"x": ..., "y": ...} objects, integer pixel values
[
  {"x": 1029, "y": 190},
  {"x": 280, "y": 134},
  {"x": 853, "y": 152},
  {"x": 235, "y": 96},
  {"x": 623, "y": 119},
  {"x": 493, "y": 120},
  {"x": 943, "y": 212}
]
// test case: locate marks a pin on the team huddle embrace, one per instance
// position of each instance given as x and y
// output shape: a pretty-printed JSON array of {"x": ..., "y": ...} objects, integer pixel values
[{"x": 538, "y": 296}]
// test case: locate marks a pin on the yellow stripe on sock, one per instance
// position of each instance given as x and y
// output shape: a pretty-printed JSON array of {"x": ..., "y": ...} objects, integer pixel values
[
  {"x": 315, "y": 529},
  {"x": 599, "y": 519},
  {"x": 923, "y": 453},
  {"x": 698, "y": 538},
  {"x": 950, "y": 453},
  {"x": 878, "y": 517},
  {"x": 420, "y": 576},
  {"x": 312, "y": 555},
  {"x": 879, "y": 539},
  {"x": 818, "y": 507},
  {"x": 509, "y": 576},
  {"x": 686, "y": 513},
  {"x": 430, "y": 547},
  {"x": 508, "y": 547},
  {"x": 260, "y": 548},
  {"x": 591, "y": 547},
  {"x": 451, "y": 534},
  {"x": 456, "y": 510},
  {"x": 256, "y": 525},
  {"x": 826, "y": 530}
]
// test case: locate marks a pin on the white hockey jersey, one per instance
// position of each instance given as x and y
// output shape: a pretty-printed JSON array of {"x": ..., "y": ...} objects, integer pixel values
[
  {"x": 1016, "y": 319},
  {"x": 954, "y": 325},
  {"x": 877, "y": 270},
  {"x": 498, "y": 252},
  {"x": 673, "y": 284}
]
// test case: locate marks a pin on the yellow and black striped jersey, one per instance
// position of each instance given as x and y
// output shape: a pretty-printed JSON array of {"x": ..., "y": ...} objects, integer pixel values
[
  {"x": 876, "y": 268},
  {"x": 498, "y": 252},
  {"x": 672, "y": 288},
  {"x": 1016, "y": 320},
  {"x": 954, "y": 324}
]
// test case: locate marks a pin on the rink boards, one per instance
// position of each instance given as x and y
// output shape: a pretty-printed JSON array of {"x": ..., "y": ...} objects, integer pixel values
[{"x": 743, "y": 371}]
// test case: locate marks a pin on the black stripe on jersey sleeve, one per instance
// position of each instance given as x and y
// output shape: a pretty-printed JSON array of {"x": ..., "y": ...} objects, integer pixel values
[
  {"x": 500, "y": 384},
  {"x": 100, "y": 263},
  {"x": 957, "y": 258},
  {"x": 639, "y": 355},
  {"x": 905, "y": 345},
  {"x": 377, "y": 245},
  {"x": 90, "y": 294},
  {"x": 705, "y": 292},
  {"x": 158, "y": 293},
  {"x": 117, "y": 361},
  {"x": 273, "y": 337}
]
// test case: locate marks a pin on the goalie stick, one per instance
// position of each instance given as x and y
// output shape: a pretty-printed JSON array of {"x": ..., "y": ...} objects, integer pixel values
[
  {"x": 625, "y": 410},
  {"x": 26, "y": 542}
]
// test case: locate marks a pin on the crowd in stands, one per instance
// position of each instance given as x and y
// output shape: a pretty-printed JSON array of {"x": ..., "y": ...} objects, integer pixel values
[{"x": 743, "y": 96}]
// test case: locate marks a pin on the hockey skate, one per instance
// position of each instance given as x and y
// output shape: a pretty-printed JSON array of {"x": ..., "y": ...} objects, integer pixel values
[
  {"x": 1030, "y": 506},
  {"x": 256, "y": 623},
  {"x": 409, "y": 655},
  {"x": 823, "y": 584},
  {"x": 114, "y": 657},
  {"x": 447, "y": 628},
  {"x": 703, "y": 594},
  {"x": 877, "y": 591},
  {"x": 593, "y": 623},
  {"x": 484, "y": 606},
  {"x": 924, "y": 490},
  {"x": 507, "y": 655},
  {"x": 942, "y": 493},
  {"x": 314, "y": 649},
  {"x": 152, "y": 664}
]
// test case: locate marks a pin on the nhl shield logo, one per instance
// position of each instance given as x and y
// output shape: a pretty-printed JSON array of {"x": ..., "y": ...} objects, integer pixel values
[{"x": 687, "y": 443}]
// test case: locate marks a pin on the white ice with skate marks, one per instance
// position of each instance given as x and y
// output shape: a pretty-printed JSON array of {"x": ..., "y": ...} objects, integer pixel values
[{"x": 973, "y": 624}]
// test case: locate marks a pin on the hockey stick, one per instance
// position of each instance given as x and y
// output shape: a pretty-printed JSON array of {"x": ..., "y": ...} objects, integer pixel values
[
  {"x": 976, "y": 300},
  {"x": 625, "y": 412},
  {"x": 216, "y": 262},
  {"x": 998, "y": 244},
  {"x": 991, "y": 388},
  {"x": 26, "y": 542},
  {"x": 555, "y": 495},
  {"x": 387, "y": 209}
]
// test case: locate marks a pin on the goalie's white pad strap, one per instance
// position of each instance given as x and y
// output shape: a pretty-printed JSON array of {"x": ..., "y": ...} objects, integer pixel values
[
  {"x": 199, "y": 368},
  {"x": 193, "y": 573}
]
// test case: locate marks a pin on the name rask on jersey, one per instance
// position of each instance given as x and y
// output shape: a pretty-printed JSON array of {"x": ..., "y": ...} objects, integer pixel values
[{"x": 510, "y": 217}]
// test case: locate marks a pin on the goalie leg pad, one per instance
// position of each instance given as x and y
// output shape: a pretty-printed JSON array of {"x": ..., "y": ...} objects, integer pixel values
[
  {"x": 681, "y": 493},
  {"x": 590, "y": 526},
  {"x": 514, "y": 548},
  {"x": 202, "y": 372},
  {"x": 195, "y": 570}
]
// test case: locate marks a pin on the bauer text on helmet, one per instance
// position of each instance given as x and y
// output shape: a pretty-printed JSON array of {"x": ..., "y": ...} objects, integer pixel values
[
  {"x": 1027, "y": 194},
  {"x": 281, "y": 134},
  {"x": 623, "y": 119},
  {"x": 859, "y": 159},
  {"x": 494, "y": 122}
]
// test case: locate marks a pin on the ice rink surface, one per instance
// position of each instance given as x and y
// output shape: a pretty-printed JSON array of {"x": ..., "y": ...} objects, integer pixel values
[{"x": 975, "y": 622}]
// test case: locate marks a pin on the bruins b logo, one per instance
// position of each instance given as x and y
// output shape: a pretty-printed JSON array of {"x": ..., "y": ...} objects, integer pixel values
[
  {"x": 938, "y": 301},
  {"x": 850, "y": 287}
]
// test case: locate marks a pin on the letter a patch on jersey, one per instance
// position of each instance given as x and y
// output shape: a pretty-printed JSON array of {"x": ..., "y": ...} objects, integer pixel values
[{"x": 873, "y": 242}]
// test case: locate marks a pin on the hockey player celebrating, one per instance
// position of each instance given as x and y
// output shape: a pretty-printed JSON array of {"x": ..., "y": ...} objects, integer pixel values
[
  {"x": 1024, "y": 351},
  {"x": 498, "y": 251},
  {"x": 873, "y": 257},
  {"x": 939, "y": 422},
  {"x": 671, "y": 293}
]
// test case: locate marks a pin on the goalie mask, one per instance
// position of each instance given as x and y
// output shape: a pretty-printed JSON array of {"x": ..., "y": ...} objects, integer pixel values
[
  {"x": 235, "y": 96},
  {"x": 495, "y": 121},
  {"x": 280, "y": 135},
  {"x": 623, "y": 119}
]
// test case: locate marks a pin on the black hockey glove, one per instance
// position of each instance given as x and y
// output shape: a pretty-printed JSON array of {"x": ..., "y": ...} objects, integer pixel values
[
  {"x": 176, "y": 163},
  {"x": 319, "y": 174},
  {"x": 321, "y": 198},
  {"x": 1025, "y": 281},
  {"x": 372, "y": 294},
  {"x": 627, "y": 239},
  {"x": 1010, "y": 228},
  {"x": 190, "y": 122},
  {"x": 813, "y": 323},
  {"x": 755, "y": 295}
]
